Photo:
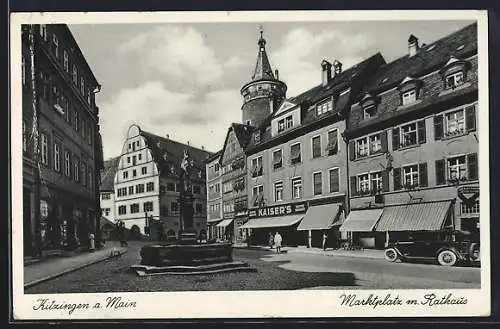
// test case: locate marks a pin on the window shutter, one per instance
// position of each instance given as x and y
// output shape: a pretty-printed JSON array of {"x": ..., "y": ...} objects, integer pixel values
[
  {"x": 422, "y": 174},
  {"x": 395, "y": 139},
  {"x": 352, "y": 151},
  {"x": 440, "y": 172},
  {"x": 438, "y": 127},
  {"x": 397, "y": 178},
  {"x": 334, "y": 180},
  {"x": 470, "y": 118},
  {"x": 383, "y": 141},
  {"x": 421, "y": 132},
  {"x": 354, "y": 189},
  {"x": 385, "y": 181},
  {"x": 472, "y": 169}
]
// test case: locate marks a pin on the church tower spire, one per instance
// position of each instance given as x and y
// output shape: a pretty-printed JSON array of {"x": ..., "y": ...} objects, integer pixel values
[{"x": 265, "y": 92}]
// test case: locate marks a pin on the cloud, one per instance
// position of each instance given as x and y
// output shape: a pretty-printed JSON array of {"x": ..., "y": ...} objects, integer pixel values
[
  {"x": 299, "y": 56},
  {"x": 201, "y": 119},
  {"x": 179, "y": 52},
  {"x": 235, "y": 62}
]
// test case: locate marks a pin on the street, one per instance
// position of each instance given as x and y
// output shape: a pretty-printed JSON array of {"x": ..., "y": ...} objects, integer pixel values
[{"x": 287, "y": 271}]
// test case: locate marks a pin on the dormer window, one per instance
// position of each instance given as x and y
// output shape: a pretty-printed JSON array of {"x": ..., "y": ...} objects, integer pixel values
[
  {"x": 369, "y": 105},
  {"x": 409, "y": 90},
  {"x": 285, "y": 123},
  {"x": 453, "y": 80},
  {"x": 324, "y": 106},
  {"x": 369, "y": 112},
  {"x": 408, "y": 97}
]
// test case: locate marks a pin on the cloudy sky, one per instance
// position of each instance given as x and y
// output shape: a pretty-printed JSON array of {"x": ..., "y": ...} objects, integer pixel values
[{"x": 184, "y": 79}]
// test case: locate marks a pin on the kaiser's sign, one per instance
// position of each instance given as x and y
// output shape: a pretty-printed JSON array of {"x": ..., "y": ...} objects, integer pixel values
[{"x": 280, "y": 210}]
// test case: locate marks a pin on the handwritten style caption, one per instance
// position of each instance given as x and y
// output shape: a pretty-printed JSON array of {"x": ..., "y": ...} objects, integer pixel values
[{"x": 429, "y": 299}]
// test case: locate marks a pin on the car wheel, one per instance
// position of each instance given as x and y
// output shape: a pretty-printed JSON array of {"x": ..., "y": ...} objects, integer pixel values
[
  {"x": 391, "y": 255},
  {"x": 447, "y": 258}
]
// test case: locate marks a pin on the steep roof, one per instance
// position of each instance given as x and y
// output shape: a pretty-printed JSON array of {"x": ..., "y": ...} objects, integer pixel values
[
  {"x": 243, "y": 133},
  {"x": 168, "y": 155},
  {"x": 263, "y": 70},
  {"x": 460, "y": 44},
  {"x": 214, "y": 156},
  {"x": 108, "y": 174}
]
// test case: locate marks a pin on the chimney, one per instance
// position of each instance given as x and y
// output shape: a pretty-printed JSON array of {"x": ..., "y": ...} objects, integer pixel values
[
  {"x": 203, "y": 148},
  {"x": 276, "y": 73},
  {"x": 189, "y": 143},
  {"x": 337, "y": 67},
  {"x": 412, "y": 45},
  {"x": 326, "y": 72},
  {"x": 168, "y": 136}
]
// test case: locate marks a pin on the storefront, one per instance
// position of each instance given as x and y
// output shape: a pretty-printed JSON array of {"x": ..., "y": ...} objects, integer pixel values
[
  {"x": 321, "y": 219},
  {"x": 212, "y": 229},
  {"x": 376, "y": 227},
  {"x": 264, "y": 222},
  {"x": 225, "y": 230}
]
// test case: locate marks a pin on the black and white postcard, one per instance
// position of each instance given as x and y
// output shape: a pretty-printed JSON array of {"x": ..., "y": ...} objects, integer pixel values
[{"x": 250, "y": 164}]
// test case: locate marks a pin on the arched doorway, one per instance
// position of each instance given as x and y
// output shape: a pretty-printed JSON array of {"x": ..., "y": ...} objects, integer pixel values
[{"x": 135, "y": 233}]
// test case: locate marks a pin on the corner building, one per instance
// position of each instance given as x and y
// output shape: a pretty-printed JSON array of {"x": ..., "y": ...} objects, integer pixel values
[
  {"x": 413, "y": 145},
  {"x": 147, "y": 186},
  {"x": 63, "y": 144},
  {"x": 297, "y": 161}
]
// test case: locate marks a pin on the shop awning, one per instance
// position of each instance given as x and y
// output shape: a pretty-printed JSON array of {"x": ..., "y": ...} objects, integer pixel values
[
  {"x": 319, "y": 217},
  {"x": 361, "y": 220},
  {"x": 425, "y": 216},
  {"x": 213, "y": 221},
  {"x": 225, "y": 222},
  {"x": 273, "y": 221}
]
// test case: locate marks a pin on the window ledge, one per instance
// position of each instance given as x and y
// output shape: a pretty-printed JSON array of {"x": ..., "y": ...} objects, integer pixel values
[
  {"x": 465, "y": 133},
  {"x": 404, "y": 148},
  {"x": 370, "y": 156},
  {"x": 452, "y": 90},
  {"x": 401, "y": 107}
]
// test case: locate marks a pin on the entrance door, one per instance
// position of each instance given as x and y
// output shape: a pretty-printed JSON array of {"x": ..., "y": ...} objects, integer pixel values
[{"x": 27, "y": 235}]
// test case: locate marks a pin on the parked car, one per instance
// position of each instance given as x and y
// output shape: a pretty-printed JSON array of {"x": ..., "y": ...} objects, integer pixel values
[{"x": 456, "y": 248}]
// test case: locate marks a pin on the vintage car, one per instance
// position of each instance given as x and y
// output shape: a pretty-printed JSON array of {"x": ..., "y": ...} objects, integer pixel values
[{"x": 456, "y": 248}]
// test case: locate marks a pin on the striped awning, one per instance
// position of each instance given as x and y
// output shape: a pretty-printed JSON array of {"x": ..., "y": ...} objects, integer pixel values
[
  {"x": 319, "y": 217},
  {"x": 266, "y": 222},
  {"x": 424, "y": 216},
  {"x": 225, "y": 222},
  {"x": 361, "y": 220}
]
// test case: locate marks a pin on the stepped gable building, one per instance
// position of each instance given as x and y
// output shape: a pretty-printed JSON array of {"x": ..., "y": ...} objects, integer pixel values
[
  {"x": 413, "y": 144},
  {"x": 234, "y": 182},
  {"x": 297, "y": 163},
  {"x": 147, "y": 185},
  {"x": 214, "y": 195},
  {"x": 62, "y": 151}
]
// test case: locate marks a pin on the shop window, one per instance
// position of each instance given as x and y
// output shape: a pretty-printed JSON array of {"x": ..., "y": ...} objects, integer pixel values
[{"x": 470, "y": 208}]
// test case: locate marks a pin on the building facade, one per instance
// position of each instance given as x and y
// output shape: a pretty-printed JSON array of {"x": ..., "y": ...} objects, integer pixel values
[
  {"x": 107, "y": 190},
  {"x": 297, "y": 162},
  {"x": 147, "y": 186},
  {"x": 214, "y": 196},
  {"x": 413, "y": 144},
  {"x": 62, "y": 151}
]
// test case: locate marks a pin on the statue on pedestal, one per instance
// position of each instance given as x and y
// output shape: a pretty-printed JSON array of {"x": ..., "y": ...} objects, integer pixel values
[{"x": 186, "y": 198}]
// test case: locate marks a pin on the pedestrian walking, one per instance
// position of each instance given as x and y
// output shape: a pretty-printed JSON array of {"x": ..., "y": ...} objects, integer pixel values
[
  {"x": 121, "y": 233},
  {"x": 277, "y": 242},
  {"x": 271, "y": 240},
  {"x": 325, "y": 239}
]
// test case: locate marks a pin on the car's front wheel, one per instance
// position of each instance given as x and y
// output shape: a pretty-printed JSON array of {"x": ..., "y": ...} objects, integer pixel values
[
  {"x": 447, "y": 258},
  {"x": 391, "y": 255}
]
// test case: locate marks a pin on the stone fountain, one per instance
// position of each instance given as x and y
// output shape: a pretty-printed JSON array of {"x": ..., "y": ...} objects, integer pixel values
[{"x": 185, "y": 255}]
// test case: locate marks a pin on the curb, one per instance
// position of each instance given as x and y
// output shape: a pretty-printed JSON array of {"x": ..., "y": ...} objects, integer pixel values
[
  {"x": 53, "y": 276},
  {"x": 335, "y": 255}
]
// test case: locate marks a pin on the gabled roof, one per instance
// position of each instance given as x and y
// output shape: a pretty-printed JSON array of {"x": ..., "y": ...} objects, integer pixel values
[
  {"x": 243, "y": 134},
  {"x": 168, "y": 154},
  {"x": 460, "y": 44},
  {"x": 214, "y": 156},
  {"x": 108, "y": 174}
]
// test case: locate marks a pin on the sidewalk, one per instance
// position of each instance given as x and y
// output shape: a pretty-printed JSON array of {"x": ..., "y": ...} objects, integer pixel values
[
  {"x": 56, "y": 266},
  {"x": 366, "y": 253}
]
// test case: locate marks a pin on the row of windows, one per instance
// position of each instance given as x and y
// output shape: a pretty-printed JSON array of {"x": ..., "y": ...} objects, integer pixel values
[
  {"x": 75, "y": 76},
  {"x": 144, "y": 171},
  {"x": 448, "y": 171},
  {"x": 64, "y": 162},
  {"x": 296, "y": 154},
  {"x": 296, "y": 187},
  {"x": 134, "y": 208},
  {"x": 61, "y": 102},
  {"x": 454, "y": 123},
  {"x": 176, "y": 187},
  {"x": 139, "y": 188}
]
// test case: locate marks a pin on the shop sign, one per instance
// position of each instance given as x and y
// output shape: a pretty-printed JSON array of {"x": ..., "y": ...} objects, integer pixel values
[{"x": 280, "y": 210}]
